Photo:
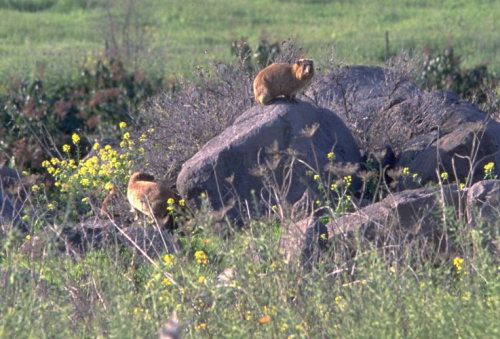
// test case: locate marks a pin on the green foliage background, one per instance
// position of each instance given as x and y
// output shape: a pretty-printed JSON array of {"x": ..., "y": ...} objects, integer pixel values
[{"x": 185, "y": 34}]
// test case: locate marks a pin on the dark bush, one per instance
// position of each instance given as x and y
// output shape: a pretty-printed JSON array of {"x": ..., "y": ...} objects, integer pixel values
[
  {"x": 38, "y": 118},
  {"x": 264, "y": 55},
  {"x": 27, "y": 5},
  {"x": 183, "y": 121},
  {"x": 443, "y": 71}
]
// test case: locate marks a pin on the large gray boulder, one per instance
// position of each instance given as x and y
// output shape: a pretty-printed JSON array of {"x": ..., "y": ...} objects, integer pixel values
[
  {"x": 464, "y": 140},
  {"x": 483, "y": 212},
  {"x": 302, "y": 242},
  {"x": 361, "y": 91},
  {"x": 404, "y": 216},
  {"x": 231, "y": 168},
  {"x": 430, "y": 132}
]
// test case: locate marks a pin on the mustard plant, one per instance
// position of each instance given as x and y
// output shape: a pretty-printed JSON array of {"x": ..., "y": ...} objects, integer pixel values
[{"x": 94, "y": 176}]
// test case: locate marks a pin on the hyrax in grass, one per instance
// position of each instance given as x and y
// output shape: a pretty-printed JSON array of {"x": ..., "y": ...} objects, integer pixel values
[
  {"x": 146, "y": 195},
  {"x": 282, "y": 79}
]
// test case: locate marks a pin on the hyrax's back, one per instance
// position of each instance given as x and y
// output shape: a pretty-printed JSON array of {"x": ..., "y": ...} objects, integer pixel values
[
  {"x": 282, "y": 79},
  {"x": 144, "y": 194}
]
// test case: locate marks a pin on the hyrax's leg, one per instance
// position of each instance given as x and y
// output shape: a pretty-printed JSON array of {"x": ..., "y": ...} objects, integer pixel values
[
  {"x": 264, "y": 98},
  {"x": 136, "y": 213}
]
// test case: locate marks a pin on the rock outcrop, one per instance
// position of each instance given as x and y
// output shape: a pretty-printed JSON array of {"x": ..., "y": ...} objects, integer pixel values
[
  {"x": 483, "y": 212},
  {"x": 403, "y": 216},
  {"x": 430, "y": 132},
  {"x": 276, "y": 143}
]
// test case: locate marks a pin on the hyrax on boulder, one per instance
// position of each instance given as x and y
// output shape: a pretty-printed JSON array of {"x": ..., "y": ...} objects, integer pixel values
[
  {"x": 146, "y": 195},
  {"x": 282, "y": 79}
]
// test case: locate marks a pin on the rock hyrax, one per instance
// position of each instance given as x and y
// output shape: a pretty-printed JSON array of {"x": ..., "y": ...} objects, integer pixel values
[
  {"x": 146, "y": 196},
  {"x": 282, "y": 79}
]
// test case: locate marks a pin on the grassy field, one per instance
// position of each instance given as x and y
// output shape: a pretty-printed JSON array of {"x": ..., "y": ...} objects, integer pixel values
[{"x": 181, "y": 35}]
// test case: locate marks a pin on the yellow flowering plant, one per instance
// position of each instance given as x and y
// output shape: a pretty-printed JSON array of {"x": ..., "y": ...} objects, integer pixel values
[
  {"x": 96, "y": 174},
  {"x": 489, "y": 171}
]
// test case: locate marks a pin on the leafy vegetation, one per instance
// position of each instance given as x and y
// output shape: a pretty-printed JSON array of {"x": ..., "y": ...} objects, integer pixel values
[
  {"x": 38, "y": 119},
  {"x": 443, "y": 71}
]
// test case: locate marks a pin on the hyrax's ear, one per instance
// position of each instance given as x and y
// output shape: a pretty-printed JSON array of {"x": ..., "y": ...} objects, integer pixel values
[{"x": 300, "y": 62}]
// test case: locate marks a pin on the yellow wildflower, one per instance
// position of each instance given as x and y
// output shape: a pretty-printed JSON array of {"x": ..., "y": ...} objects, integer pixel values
[
  {"x": 75, "y": 138},
  {"x": 340, "y": 301},
  {"x": 316, "y": 177},
  {"x": 406, "y": 171},
  {"x": 200, "y": 257},
  {"x": 35, "y": 188},
  {"x": 122, "y": 124},
  {"x": 66, "y": 148},
  {"x": 459, "y": 264},
  {"x": 444, "y": 176},
  {"x": 169, "y": 259},
  {"x": 126, "y": 136},
  {"x": 182, "y": 202},
  {"x": 199, "y": 327},
  {"x": 330, "y": 155},
  {"x": 489, "y": 166},
  {"x": 201, "y": 279}
]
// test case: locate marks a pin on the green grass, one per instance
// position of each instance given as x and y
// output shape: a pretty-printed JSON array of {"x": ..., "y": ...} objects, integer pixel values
[
  {"x": 187, "y": 34},
  {"x": 109, "y": 294}
]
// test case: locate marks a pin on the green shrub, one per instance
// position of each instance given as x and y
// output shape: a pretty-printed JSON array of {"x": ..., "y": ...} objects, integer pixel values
[
  {"x": 38, "y": 118},
  {"x": 265, "y": 53},
  {"x": 27, "y": 5},
  {"x": 443, "y": 71}
]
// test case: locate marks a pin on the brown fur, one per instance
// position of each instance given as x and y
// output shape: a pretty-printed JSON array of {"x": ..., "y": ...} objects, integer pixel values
[
  {"x": 282, "y": 79},
  {"x": 146, "y": 195}
]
